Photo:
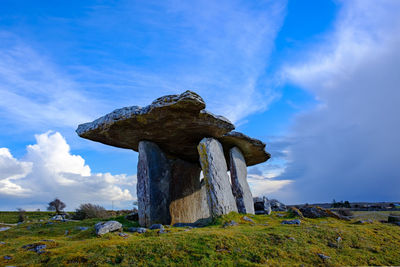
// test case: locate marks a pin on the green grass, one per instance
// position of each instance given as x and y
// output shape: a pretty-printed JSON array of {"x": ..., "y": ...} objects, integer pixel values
[
  {"x": 12, "y": 216},
  {"x": 243, "y": 245}
]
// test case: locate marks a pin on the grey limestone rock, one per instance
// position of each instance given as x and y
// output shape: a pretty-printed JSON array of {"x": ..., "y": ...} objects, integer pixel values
[
  {"x": 153, "y": 185},
  {"x": 298, "y": 222},
  {"x": 176, "y": 123},
  {"x": 219, "y": 191},
  {"x": 4, "y": 229},
  {"x": 102, "y": 228},
  {"x": 253, "y": 150},
  {"x": 139, "y": 230},
  {"x": 156, "y": 226},
  {"x": 240, "y": 187}
]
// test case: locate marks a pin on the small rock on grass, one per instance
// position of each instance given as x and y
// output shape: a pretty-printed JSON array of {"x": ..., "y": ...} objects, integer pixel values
[
  {"x": 123, "y": 235},
  {"x": 105, "y": 227},
  {"x": 247, "y": 219},
  {"x": 156, "y": 226},
  {"x": 82, "y": 228},
  {"x": 139, "y": 230},
  {"x": 322, "y": 256},
  {"x": 291, "y": 222},
  {"x": 2, "y": 243},
  {"x": 7, "y": 257},
  {"x": 230, "y": 223}
]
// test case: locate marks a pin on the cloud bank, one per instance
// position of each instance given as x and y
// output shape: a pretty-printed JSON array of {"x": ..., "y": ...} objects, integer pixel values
[
  {"x": 49, "y": 170},
  {"x": 347, "y": 147}
]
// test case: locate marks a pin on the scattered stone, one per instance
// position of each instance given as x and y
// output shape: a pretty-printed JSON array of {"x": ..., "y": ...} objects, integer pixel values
[
  {"x": 139, "y": 230},
  {"x": 124, "y": 235},
  {"x": 156, "y": 226},
  {"x": 102, "y": 228},
  {"x": 82, "y": 228},
  {"x": 192, "y": 225},
  {"x": 322, "y": 256},
  {"x": 2, "y": 243},
  {"x": 292, "y": 238},
  {"x": 247, "y": 219},
  {"x": 364, "y": 222},
  {"x": 318, "y": 212},
  {"x": 4, "y": 229},
  {"x": 240, "y": 186},
  {"x": 298, "y": 222},
  {"x": 230, "y": 223},
  {"x": 39, "y": 248},
  {"x": 7, "y": 257},
  {"x": 277, "y": 206},
  {"x": 58, "y": 217},
  {"x": 66, "y": 232},
  {"x": 212, "y": 161},
  {"x": 134, "y": 216},
  {"x": 262, "y": 205},
  {"x": 162, "y": 231},
  {"x": 280, "y": 215},
  {"x": 295, "y": 212}
]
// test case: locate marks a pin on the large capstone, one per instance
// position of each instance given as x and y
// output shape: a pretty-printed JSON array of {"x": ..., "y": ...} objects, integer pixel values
[
  {"x": 240, "y": 187},
  {"x": 253, "y": 150},
  {"x": 153, "y": 185},
  {"x": 219, "y": 191},
  {"x": 176, "y": 123},
  {"x": 188, "y": 195}
]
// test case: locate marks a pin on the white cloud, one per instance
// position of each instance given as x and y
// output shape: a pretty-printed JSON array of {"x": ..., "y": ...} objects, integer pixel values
[
  {"x": 49, "y": 170},
  {"x": 347, "y": 148}
]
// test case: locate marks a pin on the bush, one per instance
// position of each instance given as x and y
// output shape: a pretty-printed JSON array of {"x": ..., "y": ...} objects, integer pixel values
[{"x": 88, "y": 211}]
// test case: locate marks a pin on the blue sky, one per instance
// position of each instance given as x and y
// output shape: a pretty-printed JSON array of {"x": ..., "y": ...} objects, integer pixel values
[{"x": 316, "y": 80}]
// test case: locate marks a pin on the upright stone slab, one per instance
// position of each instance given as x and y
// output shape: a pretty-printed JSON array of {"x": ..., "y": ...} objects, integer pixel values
[
  {"x": 219, "y": 190},
  {"x": 240, "y": 187},
  {"x": 153, "y": 185},
  {"x": 188, "y": 195}
]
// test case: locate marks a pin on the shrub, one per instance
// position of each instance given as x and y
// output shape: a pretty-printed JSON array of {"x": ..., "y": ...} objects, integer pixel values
[{"x": 88, "y": 211}]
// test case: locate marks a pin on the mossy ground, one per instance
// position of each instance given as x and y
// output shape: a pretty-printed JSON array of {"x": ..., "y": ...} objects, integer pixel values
[{"x": 268, "y": 242}]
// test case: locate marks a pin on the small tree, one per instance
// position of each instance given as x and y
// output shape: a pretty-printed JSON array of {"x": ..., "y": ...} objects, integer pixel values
[{"x": 56, "y": 205}]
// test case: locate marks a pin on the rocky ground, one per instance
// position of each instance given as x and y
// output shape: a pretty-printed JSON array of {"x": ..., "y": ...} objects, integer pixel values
[{"x": 253, "y": 240}]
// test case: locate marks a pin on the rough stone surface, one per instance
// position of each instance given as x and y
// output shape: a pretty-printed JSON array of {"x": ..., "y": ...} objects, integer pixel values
[
  {"x": 252, "y": 149},
  {"x": 4, "y": 229},
  {"x": 240, "y": 187},
  {"x": 188, "y": 195},
  {"x": 139, "y": 230},
  {"x": 276, "y": 205},
  {"x": 262, "y": 205},
  {"x": 176, "y": 123},
  {"x": 156, "y": 226},
  {"x": 318, "y": 212},
  {"x": 298, "y": 222},
  {"x": 219, "y": 192},
  {"x": 153, "y": 191},
  {"x": 102, "y": 228}
]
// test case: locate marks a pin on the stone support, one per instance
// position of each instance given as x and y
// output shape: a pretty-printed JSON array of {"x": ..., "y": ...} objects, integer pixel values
[
  {"x": 240, "y": 187},
  {"x": 153, "y": 185},
  {"x": 219, "y": 190},
  {"x": 188, "y": 195}
]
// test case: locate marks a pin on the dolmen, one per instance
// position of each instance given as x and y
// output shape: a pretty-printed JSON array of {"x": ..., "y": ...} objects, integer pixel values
[{"x": 184, "y": 155}]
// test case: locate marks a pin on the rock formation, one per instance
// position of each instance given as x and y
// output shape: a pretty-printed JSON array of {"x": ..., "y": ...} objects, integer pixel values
[{"x": 177, "y": 138}]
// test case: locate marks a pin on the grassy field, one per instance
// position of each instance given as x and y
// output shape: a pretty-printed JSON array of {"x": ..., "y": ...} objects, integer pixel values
[{"x": 267, "y": 242}]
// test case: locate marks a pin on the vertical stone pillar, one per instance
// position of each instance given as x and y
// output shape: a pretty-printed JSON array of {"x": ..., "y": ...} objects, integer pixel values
[
  {"x": 153, "y": 182},
  {"x": 240, "y": 187},
  {"x": 219, "y": 191},
  {"x": 188, "y": 196}
]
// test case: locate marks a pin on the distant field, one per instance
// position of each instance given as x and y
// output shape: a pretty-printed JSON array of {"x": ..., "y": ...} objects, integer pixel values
[
  {"x": 267, "y": 242},
  {"x": 374, "y": 215},
  {"x": 12, "y": 216}
]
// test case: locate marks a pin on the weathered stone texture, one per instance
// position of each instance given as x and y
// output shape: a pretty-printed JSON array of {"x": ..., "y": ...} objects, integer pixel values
[
  {"x": 176, "y": 123},
  {"x": 240, "y": 187},
  {"x": 252, "y": 149},
  {"x": 153, "y": 185},
  {"x": 219, "y": 191},
  {"x": 188, "y": 196}
]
